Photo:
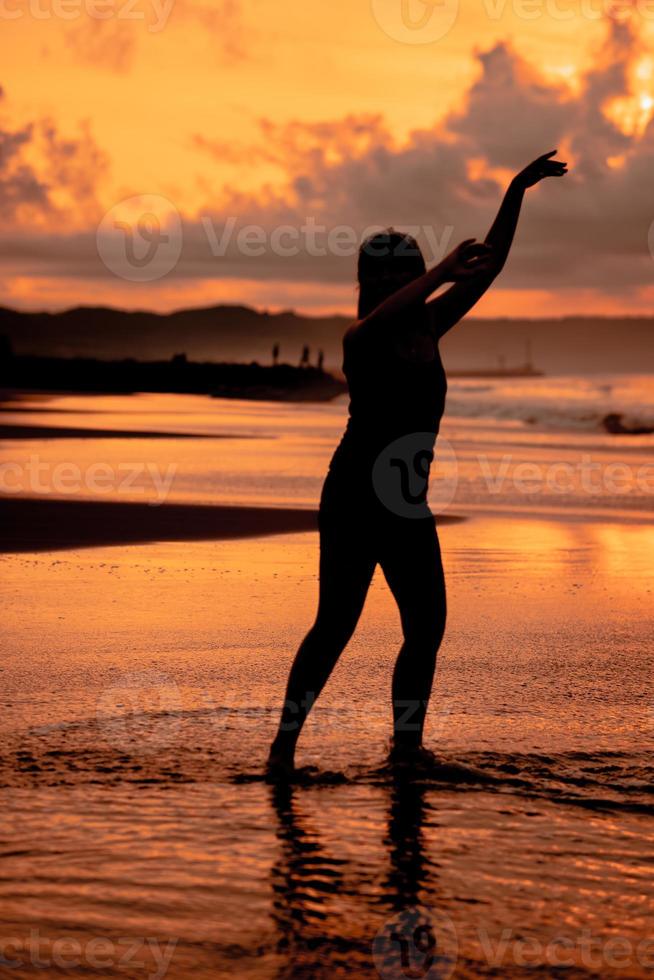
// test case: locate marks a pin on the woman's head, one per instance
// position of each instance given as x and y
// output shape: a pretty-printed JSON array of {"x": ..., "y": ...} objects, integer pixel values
[{"x": 388, "y": 260}]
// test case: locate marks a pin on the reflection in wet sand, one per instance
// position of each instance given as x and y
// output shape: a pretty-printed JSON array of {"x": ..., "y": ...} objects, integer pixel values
[{"x": 332, "y": 914}]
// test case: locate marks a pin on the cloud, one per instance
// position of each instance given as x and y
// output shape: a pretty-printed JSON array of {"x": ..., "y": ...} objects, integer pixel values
[
  {"x": 296, "y": 145},
  {"x": 509, "y": 110},
  {"x": 109, "y": 44},
  {"x": 223, "y": 23},
  {"x": 46, "y": 177},
  {"x": 20, "y": 188},
  {"x": 112, "y": 43},
  {"x": 595, "y": 137},
  {"x": 587, "y": 232}
]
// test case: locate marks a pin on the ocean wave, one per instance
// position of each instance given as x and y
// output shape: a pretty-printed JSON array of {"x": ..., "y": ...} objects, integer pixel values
[{"x": 577, "y": 403}]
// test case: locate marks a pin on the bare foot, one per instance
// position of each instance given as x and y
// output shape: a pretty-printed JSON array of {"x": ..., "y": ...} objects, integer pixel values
[
  {"x": 414, "y": 757},
  {"x": 280, "y": 767}
]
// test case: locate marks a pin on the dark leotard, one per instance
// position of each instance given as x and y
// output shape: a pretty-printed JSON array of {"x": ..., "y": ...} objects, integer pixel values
[{"x": 391, "y": 396}]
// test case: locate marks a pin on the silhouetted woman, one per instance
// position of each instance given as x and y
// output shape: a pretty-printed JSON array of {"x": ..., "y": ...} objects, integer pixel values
[{"x": 397, "y": 390}]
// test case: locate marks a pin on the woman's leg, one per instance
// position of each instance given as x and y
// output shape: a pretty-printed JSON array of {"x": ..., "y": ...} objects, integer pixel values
[
  {"x": 346, "y": 570},
  {"x": 411, "y": 561}
]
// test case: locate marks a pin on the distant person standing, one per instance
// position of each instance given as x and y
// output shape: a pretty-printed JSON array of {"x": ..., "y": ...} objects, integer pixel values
[
  {"x": 306, "y": 356},
  {"x": 321, "y": 360},
  {"x": 275, "y": 354}
]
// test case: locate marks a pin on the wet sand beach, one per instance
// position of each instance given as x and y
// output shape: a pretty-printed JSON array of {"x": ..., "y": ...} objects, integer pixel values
[{"x": 141, "y": 679}]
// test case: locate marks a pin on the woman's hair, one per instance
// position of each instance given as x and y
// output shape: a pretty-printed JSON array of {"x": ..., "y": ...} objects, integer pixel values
[{"x": 387, "y": 260}]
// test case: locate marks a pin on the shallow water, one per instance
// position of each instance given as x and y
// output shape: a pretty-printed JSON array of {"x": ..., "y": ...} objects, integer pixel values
[
  {"x": 140, "y": 689},
  {"x": 260, "y": 882},
  {"x": 531, "y": 444}
]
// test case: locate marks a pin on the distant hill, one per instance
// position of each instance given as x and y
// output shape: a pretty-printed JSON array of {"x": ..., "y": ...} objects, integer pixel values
[
  {"x": 219, "y": 333},
  {"x": 239, "y": 333}
]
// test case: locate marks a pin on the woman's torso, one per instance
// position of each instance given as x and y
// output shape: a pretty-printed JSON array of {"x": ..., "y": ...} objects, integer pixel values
[{"x": 397, "y": 389}]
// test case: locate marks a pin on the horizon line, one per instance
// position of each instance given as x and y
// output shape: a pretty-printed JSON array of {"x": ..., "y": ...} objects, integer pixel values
[{"x": 265, "y": 311}]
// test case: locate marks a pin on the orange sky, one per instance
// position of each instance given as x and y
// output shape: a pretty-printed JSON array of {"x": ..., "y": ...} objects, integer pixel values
[{"x": 269, "y": 114}]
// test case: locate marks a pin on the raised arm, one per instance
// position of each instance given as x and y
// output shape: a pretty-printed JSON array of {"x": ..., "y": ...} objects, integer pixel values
[{"x": 448, "y": 309}]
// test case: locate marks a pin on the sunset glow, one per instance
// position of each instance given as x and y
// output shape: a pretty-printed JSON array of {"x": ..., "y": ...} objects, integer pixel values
[
  {"x": 267, "y": 115},
  {"x": 327, "y": 570}
]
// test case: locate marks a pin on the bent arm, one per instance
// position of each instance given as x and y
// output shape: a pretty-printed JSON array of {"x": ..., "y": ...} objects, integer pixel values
[
  {"x": 464, "y": 262},
  {"x": 417, "y": 291}
]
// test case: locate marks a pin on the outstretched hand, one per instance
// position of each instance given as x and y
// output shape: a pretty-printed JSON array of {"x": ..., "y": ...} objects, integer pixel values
[
  {"x": 542, "y": 167},
  {"x": 467, "y": 260}
]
